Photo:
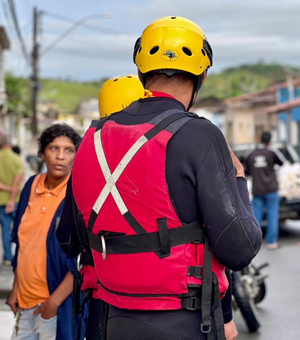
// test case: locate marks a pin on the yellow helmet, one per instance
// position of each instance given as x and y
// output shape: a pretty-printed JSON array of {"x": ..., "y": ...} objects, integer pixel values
[
  {"x": 118, "y": 93},
  {"x": 173, "y": 43}
]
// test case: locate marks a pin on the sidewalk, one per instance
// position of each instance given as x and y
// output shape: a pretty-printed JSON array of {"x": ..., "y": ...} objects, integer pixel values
[
  {"x": 7, "y": 319},
  {"x": 6, "y": 275},
  {"x": 6, "y": 281}
]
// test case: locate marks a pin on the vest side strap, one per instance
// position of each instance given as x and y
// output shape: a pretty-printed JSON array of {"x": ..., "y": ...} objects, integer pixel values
[
  {"x": 149, "y": 242},
  {"x": 164, "y": 239}
]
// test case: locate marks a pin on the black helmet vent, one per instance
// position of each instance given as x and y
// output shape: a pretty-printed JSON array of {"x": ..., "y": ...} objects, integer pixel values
[
  {"x": 187, "y": 51},
  {"x": 154, "y": 50}
]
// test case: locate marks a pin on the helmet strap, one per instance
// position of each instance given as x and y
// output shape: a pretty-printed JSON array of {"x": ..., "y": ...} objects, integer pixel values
[
  {"x": 199, "y": 80},
  {"x": 193, "y": 99}
]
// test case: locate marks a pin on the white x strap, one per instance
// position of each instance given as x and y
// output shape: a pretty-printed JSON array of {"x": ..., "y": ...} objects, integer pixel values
[{"x": 112, "y": 178}]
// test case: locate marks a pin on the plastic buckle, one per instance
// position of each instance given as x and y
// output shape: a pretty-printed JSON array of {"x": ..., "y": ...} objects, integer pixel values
[
  {"x": 103, "y": 247},
  {"x": 191, "y": 303},
  {"x": 206, "y": 327},
  {"x": 198, "y": 272}
]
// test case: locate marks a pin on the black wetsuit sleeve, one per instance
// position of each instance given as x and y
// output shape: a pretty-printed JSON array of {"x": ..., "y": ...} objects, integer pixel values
[
  {"x": 66, "y": 232},
  {"x": 233, "y": 232},
  {"x": 226, "y": 301}
]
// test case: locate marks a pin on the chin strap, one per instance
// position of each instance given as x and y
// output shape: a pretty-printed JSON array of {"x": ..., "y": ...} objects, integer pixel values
[{"x": 192, "y": 102}]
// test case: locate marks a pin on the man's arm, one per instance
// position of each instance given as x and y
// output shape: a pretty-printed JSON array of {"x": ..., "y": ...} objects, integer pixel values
[
  {"x": 279, "y": 158},
  {"x": 5, "y": 187},
  {"x": 15, "y": 189},
  {"x": 229, "y": 326},
  {"x": 49, "y": 308},
  {"x": 233, "y": 232},
  {"x": 12, "y": 300}
]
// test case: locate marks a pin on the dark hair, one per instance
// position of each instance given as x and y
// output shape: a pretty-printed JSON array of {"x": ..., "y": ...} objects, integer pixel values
[
  {"x": 265, "y": 137},
  {"x": 54, "y": 131},
  {"x": 173, "y": 77},
  {"x": 16, "y": 149},
  {"x": 4, "y": 140}
]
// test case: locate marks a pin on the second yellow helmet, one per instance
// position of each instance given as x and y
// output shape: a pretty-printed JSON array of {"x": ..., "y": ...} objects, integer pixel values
[{"x": 118, "y": 93}]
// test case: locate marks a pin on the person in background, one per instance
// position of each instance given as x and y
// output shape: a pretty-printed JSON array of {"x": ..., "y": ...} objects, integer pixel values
[
  {"x": 11, "y": 177},
  {"x": 259, "y": 164},
  {"x": 41, "y": 296}
]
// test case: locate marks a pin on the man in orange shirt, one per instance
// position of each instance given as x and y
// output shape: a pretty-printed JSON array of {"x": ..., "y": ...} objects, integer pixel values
[{"x": 41, "y": 295}]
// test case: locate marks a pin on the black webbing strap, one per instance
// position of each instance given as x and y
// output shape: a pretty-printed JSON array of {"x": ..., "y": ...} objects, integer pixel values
[
  {"x": 149, "y": 242},
  {"x": 209, "y": 282},
  {"x": 206, "y": 290},
  {"x": 101, "y": 122},
  {"x": 161, "y": 116},
  {"x": 163, "y": 124},
  {"x": 76, "y": 292},
  {"x": 218, "y": 312},
  {"x": 79, "y": 225},
  {"x": 86, "y": 258},
  {"x": 92, "y": 220},
  {"x": 163, "y": 232},
  {"x": 134, "y": 224}
]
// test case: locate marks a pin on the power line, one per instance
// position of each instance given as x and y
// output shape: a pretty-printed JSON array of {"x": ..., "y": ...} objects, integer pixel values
[
  {"x": 84, "y": 54},
  {"x": 79, "y": 53},
  {"x": 16, "y": 24},
  {"x": 75, "y": 25},
  {"x": 97, "y": 28}
]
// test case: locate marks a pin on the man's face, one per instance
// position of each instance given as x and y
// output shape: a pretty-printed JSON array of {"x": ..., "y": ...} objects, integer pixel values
[{"x": 59, "y": 157}]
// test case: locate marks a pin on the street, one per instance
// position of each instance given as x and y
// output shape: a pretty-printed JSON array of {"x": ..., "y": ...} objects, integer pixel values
[{"x": 278, "y": 312}]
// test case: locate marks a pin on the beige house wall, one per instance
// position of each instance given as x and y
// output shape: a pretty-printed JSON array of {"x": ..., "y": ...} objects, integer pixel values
[
  {"x": 245, "y": 125},
  {"x": 239, "y": 127}
]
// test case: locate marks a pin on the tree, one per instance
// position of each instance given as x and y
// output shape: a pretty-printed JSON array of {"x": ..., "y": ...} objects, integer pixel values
[{"x": 18, "y": 93}]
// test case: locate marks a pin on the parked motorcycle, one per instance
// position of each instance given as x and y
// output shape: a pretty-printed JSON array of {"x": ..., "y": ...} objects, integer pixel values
[{"x": 249, "y": 289}]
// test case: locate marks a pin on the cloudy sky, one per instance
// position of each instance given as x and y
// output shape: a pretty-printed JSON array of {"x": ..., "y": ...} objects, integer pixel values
[{"x": 239, "y": 32}]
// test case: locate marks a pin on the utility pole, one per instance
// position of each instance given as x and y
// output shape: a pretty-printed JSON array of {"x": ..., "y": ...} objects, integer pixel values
[
  {"x": 35, "y": 72},
  {"x": 36, "y": 56}
]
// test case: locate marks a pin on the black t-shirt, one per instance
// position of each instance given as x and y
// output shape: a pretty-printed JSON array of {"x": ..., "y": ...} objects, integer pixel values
[{"x": 260, "y": 166}]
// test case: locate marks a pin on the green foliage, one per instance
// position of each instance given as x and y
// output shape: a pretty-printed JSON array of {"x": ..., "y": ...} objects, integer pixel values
[
  {"x": 245, "y": 79},
  {"x": 18, "y": 93},
  {"x": 68, "y": 94}
]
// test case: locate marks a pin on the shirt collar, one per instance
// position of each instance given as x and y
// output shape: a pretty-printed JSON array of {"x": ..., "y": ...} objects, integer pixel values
[
  {"x": 158, "y": 94},
  {"x": 41, "y": 189}
]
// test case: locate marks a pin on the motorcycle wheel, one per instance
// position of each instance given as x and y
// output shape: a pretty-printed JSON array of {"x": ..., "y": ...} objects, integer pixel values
[
  {"x": 244, "y": 302},
  {"x": 261, "y": 293}
]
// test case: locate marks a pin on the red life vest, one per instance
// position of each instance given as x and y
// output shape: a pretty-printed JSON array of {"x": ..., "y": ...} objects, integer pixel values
[{"x": 145, "y": 257}]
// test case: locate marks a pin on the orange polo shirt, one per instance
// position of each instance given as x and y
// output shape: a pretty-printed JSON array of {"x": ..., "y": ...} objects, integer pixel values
[{"x": 32, "y": 234}]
